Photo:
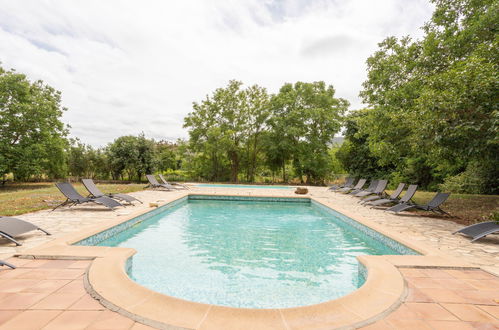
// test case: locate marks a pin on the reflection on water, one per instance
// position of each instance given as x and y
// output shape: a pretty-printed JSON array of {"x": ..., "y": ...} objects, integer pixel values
[{"x": 247, "y": 254}]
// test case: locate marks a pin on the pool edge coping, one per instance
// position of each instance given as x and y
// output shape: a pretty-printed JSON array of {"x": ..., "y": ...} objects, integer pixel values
[{"x": 106, "y": 281}]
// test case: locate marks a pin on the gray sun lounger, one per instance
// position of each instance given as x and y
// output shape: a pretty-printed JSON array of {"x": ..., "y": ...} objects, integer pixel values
[
  {"x": 378, "y": 190},
  {"x": 12, "y": 227},
  {"x": 479, "y": 230},
  {"x": 431, "y": 206},
  {"x": 348, "y": 183},
  {"x": 5, "y": 263},
  {"x": 73, "y": 197},
  {"x": 359, "y": 185},
  {"x": 370, "y": 188},
  {"x": 153, "y": 183},
  {"x": 174, "y": 185},
  {"x": 406, "y": 199},
  {"x": 95, "y": 192},
  {"x": 393, "y": 197}
]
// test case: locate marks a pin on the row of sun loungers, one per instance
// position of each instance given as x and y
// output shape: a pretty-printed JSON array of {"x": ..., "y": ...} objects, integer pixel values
[{"x": 375, "y": 197}]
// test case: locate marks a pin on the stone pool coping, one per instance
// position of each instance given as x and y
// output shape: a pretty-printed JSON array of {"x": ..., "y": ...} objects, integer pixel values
[{"x": 107, "y": 281}]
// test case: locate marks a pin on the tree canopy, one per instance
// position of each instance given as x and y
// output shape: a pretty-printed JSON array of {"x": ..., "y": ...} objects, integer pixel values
[{"x": 433, "y": 111}]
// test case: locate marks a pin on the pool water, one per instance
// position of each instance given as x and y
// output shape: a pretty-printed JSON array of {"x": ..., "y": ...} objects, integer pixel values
[
  {"x": 247, "y": 253},
  {"x": 242, "y": 186}
]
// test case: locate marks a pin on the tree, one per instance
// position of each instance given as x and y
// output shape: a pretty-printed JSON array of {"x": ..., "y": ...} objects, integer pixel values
[
  {"x": 433, "y": 102},
  {"x": 225, "y": 128},
  {"x": 305, "y": 117},
  {"x": 32, "y": 136}
]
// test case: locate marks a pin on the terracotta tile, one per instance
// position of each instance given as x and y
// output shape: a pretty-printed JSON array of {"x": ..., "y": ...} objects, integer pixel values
[
  {"x": 7, "y": 315},
  {"x": 380, "y": 325},
  {"x": 484, "y": 285},
  {"x": 443, "y": 295},
  {"x": 73, "y": 320},
  {"x": 13, "y": 273},
  {"x": 450, "y": 325},
  {"x": 80, "y": 264},
  {"x": 423, "y": 282},
  {"x": 30, "y": 320},
  {"x": 16, "y": 285},
  {"x": 57, "y": 264},
  {"x": 66, "y": 274},
  {"x": 75, "y": 286},
  {"x": 492, "y": 310},
  {"x": 38, "y": 273},
  {"x": 468, "y": 312},
  {"x": 409, "y": 324},
  {"x": 485, "y": 326},
  {"x": 402, "y": 313},
  {"x": 453, "y": 284},
  {"x": 47, "y": 286},
  {"x": 470, "y": 274},
  {"x": 36, "y": 263},
  {"x": 416, "y": 295},
  {"x": 411, "y": 272},
  {"x": 436, "y": 273},
  {"x": 140, "y": 326},
  {"x": 479, "y": 297},
  {"x": 57, "y": 301},
  {"x": 18, "y": 262},
  {"x": 22, "y": 300},
  {"x": 431, "y": 311},
  {"x": 87, "y": 303},
  {"x": 111, "y": 320}
]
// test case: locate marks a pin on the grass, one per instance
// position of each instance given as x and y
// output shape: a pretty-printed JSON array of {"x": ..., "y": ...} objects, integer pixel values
[
  {"x": 22, "y": 198},
  {"x": 465, "y": 209}
]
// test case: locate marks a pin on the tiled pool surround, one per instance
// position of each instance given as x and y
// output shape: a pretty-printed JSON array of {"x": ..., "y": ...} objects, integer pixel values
[{"x": 107, "y": 281}]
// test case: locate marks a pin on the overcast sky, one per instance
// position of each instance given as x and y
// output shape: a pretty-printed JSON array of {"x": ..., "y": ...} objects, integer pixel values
[{"x": 126, "y": 67}]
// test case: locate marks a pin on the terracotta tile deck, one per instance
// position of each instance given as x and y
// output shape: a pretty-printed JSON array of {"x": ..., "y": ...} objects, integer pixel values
[
  {"x": 432, "y": 304},
  {"x": 56, "y": 299},
  {"x": 49, "y": 294}
]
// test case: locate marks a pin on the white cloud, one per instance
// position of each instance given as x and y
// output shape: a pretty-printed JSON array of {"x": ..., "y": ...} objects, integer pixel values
[{"x": 130, "y": 66}]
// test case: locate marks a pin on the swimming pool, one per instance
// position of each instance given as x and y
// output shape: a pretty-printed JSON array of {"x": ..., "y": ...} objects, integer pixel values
[
  {"x": 249, "y": 252},
  {"x": 242, "y": 186}
]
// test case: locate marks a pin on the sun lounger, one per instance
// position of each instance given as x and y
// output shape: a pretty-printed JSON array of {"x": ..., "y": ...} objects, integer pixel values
[
  {"x": 411, "y": 190},
  {"x": 359, "y": 185},
  {"x": 370, "y": 188},
  {"x": 12, "y": 227},
  {"x": 348, "y": 183},
  {"x": 5, "y": 263},
  {"x": 378, "y": 190},
  {"x": 393, "y": 197},
  {"x": 95, "y": 192},
  {"x": 479, "y": 230},
  {"x": 175, "y": 185},
  {"x": 431, "y": 206},
  {"x": 73, "y": 197},
  {"x": 153, "y": 183}
]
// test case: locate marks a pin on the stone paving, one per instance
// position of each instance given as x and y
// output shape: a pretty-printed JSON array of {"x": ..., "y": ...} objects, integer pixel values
[{"x": 434, "y": 232}]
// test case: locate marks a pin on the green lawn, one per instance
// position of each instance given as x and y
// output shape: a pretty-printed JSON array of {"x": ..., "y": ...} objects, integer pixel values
[{"x": 29, "y": 197}]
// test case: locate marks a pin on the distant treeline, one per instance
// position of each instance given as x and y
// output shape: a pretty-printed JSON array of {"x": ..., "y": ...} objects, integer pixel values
[{"x": 431, "y": 119}]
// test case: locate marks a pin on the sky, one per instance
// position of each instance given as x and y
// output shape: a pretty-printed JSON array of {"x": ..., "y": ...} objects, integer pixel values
[{"x": 126, "y": 67}]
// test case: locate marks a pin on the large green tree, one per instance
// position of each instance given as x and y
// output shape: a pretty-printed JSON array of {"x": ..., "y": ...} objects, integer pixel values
[
  {"x": 225, "y": 129},
  {"x": 305, "y": 117},
  {"x": 32, "y": 136},
  {"x": 434, "y": 102}
]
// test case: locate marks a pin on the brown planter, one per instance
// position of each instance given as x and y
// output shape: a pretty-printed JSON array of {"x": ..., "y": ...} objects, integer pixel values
[{"x": 301, "y": 191}]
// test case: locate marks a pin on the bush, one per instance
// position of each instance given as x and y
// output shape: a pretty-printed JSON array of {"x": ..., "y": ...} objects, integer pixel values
[{"x": 476, "y": 179}]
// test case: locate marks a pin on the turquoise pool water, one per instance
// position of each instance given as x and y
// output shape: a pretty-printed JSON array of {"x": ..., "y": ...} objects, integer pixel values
[
  {"x": 249, "y": 254},
  {"x": 242, "y": 186}
]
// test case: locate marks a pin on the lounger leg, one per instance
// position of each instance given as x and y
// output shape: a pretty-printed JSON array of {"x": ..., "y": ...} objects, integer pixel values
[
  {"x": 5, "y": 263},
  {"x": 46, "y": 232},
  {"x": 62, "y": 204},
  {"x": 10, "y": 238}
]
